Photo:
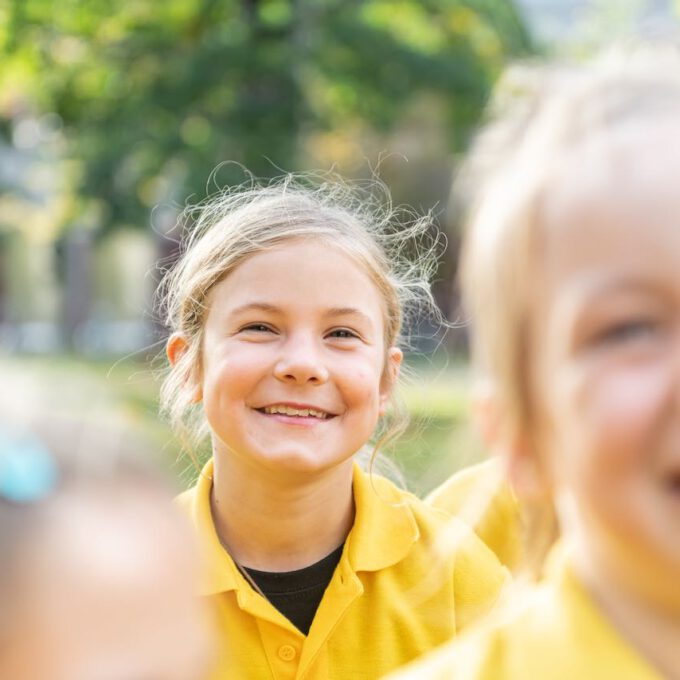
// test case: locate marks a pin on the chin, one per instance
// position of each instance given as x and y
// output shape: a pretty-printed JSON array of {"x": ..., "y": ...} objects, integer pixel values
[{"x": 305, "y": 462}]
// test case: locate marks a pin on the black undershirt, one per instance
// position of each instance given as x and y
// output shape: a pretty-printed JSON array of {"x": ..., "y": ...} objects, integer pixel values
[{"x": 297, "y": 594}]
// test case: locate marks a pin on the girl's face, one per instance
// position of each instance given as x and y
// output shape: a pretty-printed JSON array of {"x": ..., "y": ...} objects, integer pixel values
[
  {"x": 295, "y": 373},
  {"x": 606, "y": 389}
]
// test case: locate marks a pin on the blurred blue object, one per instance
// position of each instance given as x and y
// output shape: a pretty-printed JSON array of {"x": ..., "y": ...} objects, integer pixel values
[{"x": 28, "y": 472}]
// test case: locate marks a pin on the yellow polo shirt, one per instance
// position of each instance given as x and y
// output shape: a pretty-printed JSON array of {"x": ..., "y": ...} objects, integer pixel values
[
  {"x": 558, "y": 634},
  {"x": 480, "y": 497},
  {"x": 393, "y": 595}
]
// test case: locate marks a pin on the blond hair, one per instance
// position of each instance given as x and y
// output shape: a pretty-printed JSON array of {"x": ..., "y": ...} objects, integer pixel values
[
  {"x": 540, "y": 117},
  {"x": 397, "y": 250}
]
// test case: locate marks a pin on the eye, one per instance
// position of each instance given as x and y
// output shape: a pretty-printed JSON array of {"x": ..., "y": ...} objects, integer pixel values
[
  {"x": 256, "y": 328},
  {"x": 627, "y": 331},
  {"x": 342, "y": 334}
]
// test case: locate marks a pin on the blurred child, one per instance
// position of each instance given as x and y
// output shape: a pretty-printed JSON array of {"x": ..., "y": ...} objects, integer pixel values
[
  {"x": 571, "y": 271},
  {"x": 286, "y": 309},
  {"x": 96, "y": 571}
]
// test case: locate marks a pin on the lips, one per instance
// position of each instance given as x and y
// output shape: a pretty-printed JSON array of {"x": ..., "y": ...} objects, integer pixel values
[{"x": 296, "y": 411}]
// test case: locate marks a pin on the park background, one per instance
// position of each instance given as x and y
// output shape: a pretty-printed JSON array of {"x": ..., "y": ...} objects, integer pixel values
[{"x": 115, "y": 116}]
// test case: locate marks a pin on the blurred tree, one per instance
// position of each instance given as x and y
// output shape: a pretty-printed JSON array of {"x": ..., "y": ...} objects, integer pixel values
[{"x": 154, "y": 95}]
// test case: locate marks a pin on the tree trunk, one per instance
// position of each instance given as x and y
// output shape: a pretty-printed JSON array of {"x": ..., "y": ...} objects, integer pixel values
[{"x": 77, "y": 283}]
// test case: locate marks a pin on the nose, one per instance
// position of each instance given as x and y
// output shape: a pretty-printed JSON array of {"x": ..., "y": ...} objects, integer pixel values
[{"x": 301, "y": 363}]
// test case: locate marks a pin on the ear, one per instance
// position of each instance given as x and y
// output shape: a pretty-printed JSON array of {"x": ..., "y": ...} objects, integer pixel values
[
  {"x": 390, "y": 375},
  {"x": 519, "y": 459},
  {"x": 175, "y": 348}
]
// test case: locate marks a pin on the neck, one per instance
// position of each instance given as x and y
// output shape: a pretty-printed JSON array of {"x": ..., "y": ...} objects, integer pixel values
[
  {"x": 652, "y": 629},
  {"x": 276, "y": 522}
]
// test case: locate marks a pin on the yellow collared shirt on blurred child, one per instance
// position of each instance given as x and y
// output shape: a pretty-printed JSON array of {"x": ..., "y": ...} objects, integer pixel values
[
  {"x": 556, "y": 633},
  {"x": 480, "y": 497}
]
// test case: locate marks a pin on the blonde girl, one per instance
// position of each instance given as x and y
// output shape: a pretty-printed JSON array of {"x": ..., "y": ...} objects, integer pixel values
[
  {"x": 286, "y": 309},
  {"x": 571, "y": 271}
]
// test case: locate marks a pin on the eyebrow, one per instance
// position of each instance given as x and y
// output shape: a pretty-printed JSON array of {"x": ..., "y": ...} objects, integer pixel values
[
  {"x": 598, "y": 287},
  {"x": 332, "y": 312},
  {"x": 597, "y": 290},
  {"x": 255, "y": 307},
  {"x": 348, "y": 311}
]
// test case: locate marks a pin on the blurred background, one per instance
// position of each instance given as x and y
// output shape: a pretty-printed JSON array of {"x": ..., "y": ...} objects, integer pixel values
[{"x": 114, "y": 116}]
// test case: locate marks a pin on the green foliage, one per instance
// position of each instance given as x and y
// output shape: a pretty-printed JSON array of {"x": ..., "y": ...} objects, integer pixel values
[{"x": 154, "y": 95}]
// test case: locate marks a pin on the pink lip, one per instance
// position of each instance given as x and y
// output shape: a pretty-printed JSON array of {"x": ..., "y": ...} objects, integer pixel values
[
  {"x": 296, "y": 405},
  {"x": 298, "y": 421}
]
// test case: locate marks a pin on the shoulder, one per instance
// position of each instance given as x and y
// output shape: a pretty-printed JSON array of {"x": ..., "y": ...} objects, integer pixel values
[
  {"x": 488, "y": 652},
  {"x": 385, "y": 501},
  {"x": 464, "y": 659},
  {"x": 480, "y": 497},
  {"x": 438, "y": 544},
  {"x": 554, "y": 630}
]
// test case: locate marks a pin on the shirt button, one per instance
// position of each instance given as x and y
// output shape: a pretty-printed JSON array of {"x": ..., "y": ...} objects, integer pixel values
[{"x": 287, "y": 653}]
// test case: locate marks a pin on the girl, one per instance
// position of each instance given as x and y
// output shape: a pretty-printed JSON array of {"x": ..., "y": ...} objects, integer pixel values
[
  {"x": 286, "y": 309},
  {"x": 574, "y": 251},
  {"x": 95, "y": 575}
]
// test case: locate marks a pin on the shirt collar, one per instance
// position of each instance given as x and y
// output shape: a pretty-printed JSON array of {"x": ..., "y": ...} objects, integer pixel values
[
  {"x": 577, "y": 623},
  {"x": 384, "y": 526},
  {"x": 383, "y": 532}
]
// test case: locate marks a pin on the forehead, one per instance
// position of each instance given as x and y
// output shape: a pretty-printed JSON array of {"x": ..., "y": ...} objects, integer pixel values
[
  {"x": 614, "y": 206},
  {"x": 314, "y": 272}
]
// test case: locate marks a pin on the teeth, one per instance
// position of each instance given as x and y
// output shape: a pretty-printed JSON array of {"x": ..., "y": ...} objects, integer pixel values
[{"x": 288, "y": 411}]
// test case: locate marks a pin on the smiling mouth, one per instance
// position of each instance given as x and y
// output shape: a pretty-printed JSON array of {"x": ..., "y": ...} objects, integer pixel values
[{"x": 284, "y": 410}]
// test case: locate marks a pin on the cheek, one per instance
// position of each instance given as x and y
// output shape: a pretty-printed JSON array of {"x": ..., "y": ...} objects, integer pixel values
[
  {"x": 628, "y": 400},
  {"x": 226, "y": 369},
  {"x": 611, "y": 416},
  {"x": 227, "y": 381},
  {"x": 361, "y": 381}
]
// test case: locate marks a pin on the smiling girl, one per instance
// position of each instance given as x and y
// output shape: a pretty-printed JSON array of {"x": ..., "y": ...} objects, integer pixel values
[
  {"x": 574, "y": 251},
  {"x": 286, "y": 309}
]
